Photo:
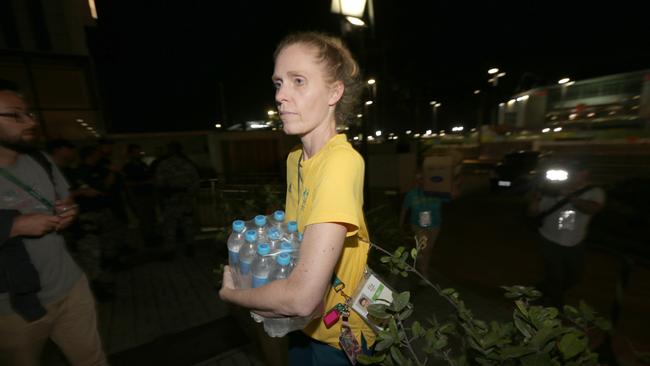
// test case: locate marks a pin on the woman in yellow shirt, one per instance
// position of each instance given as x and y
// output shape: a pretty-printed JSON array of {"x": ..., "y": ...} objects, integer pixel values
[{"x": 317, "y": 83}]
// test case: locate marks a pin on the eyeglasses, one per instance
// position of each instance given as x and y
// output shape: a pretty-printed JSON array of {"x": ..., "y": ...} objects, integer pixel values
[{"x": 20, "y": 117}]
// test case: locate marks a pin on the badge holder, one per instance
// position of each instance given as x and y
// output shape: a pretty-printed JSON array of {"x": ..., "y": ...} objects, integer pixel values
[{"x": 372, "y": 290}]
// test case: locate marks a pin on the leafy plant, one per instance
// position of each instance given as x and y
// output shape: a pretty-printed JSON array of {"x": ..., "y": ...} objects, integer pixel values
[{"x": 537, "y": 335}]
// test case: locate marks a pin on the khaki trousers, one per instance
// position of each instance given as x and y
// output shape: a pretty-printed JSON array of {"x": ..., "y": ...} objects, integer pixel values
[{"x": 71, "y": 323}]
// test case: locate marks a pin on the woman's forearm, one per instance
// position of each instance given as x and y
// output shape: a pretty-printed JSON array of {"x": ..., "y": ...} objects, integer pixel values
[{"x": 276, "y": 299}]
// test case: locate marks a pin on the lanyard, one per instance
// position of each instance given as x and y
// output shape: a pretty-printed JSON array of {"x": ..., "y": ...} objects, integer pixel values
[
  {"x": 299, "y": 183},
  {"x": 31, "y": 191}
]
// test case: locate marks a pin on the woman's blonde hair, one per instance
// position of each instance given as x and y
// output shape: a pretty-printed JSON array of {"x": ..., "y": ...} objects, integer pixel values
[{"x": 339, "y": 66}]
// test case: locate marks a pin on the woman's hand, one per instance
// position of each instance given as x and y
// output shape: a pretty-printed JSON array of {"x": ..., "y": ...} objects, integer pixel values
[{"x": 227, "y": 283}]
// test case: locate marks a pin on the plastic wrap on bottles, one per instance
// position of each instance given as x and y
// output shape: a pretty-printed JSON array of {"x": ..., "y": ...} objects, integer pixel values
[{"x": 262, "y": 250}]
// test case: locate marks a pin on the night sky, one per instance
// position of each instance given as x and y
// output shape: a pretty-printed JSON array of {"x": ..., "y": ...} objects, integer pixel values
[{"x": 173, "y": 65}]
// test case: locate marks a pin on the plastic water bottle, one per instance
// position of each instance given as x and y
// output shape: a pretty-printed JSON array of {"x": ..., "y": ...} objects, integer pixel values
[
  {"x": 292, "y": 233},
  {"x": 235, "y": 241},
  {"x": 286, "y": 247},
  {"x": 278, "y": 219},
  {"x": 278, "y": 327},
  {"x": 247, "y": 254},
  {"x": 283, "y": 268},
  {"x": 262, "y": 266},
  {"x": 273, "y": 236},
  {"x": 260, "y": 227}
]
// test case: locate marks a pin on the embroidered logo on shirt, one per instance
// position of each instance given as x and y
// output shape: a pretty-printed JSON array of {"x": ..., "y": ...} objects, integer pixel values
[{"x": 305, "y": 194}]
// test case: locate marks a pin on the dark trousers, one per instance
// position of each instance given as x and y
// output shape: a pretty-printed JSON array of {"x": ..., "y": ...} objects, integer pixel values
[
  {"x": 563, "y": 267},
  {"x": 304, "y": 351}
]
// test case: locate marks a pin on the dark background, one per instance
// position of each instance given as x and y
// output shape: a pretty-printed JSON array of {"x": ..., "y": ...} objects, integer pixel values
[{"x": 188, "y": 64}]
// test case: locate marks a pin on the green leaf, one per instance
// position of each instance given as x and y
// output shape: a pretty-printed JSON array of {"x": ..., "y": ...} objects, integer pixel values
[
  {"x": 545, "y": 335},
  {"x": 587, "y": 311},
  {"x": 414, "y": 253},
  {"x": 480, "y": 324},
  {"x": 440, "y": 343},
  {"x": 570, "y": 311},
  {"x": 523, "y": 326},
  {"x": 521, "y": 307},
  {"x": 397, "y": 355},
  {"x": 385, "y": 259},
  {"x": 416, "y": 329},
  {"x": 571, "y": 344},
  {"x": 392, "y": 326},
  {"x": 388, "y": 362},
  {"x": 404, "y": 274},
  {"x": 398, "y": 252},
  {"x": 369, "y": 360},
  {"x": 378, "y": 311},
  {"x": 448, "y": 291},
  {"x": 406, "y": 313},
  {"x": 385, "y": 342},
  {"x": 401, "y": 300}
]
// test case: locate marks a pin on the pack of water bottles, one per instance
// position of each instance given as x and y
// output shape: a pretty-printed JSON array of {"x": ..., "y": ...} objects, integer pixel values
[{"x": 263, "y": 250}]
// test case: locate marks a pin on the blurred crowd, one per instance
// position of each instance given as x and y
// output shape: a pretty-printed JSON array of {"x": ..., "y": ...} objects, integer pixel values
[{"x": 118, "y": 191}]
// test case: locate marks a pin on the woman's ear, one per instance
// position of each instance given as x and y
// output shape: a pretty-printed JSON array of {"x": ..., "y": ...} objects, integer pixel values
[{"x": 336, "y": 92}]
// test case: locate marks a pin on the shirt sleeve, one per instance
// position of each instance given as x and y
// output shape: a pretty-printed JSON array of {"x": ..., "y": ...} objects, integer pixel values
[{"x": 338, "y": 193}]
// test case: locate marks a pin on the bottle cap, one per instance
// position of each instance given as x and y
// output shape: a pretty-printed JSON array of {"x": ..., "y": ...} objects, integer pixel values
[
  {"x": 292, "y": 226},
  {"x": 251, "y": 236},
  {"x": 260, "y": 220},
  {"x": 263, "y": 249},
  {"x": 238, "y": 226},
  {"x": 284, "y": 259},
  {"x": 285, "y": 246},
  {"x": 278, "y": 215}
]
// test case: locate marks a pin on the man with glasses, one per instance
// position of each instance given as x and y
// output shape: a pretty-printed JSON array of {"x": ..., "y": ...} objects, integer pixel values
[{"x": 43, "y": 293}]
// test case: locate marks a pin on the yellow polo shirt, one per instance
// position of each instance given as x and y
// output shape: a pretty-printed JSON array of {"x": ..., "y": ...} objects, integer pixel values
[{"x": 331, "y": 190}]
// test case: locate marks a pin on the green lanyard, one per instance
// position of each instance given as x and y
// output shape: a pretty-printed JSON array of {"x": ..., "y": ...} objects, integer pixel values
[
  {"x": 31, "y": 191},
  {"x": 299, "y": 184}
]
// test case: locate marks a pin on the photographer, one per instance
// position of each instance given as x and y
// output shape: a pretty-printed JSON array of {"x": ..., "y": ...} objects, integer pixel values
[{"x": 564, "y": 205}]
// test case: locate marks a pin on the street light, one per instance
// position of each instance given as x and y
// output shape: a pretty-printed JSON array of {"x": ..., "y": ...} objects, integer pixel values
[
  {"x": 271, "y": 112},
  {"x": 355, "y": 21},
  {"x": 352, "y": 10},
  {"x": 368, "y": 102},
  {"x": 494, "y": 80},
  {"x": 434, "y": 106},
  {"x": 563, "y": 81},
  {"x": 372, "y": 85}
]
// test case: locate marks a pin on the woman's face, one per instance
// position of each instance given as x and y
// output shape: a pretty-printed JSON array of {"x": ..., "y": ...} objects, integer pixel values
[{"x": 304, "y": 97}]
